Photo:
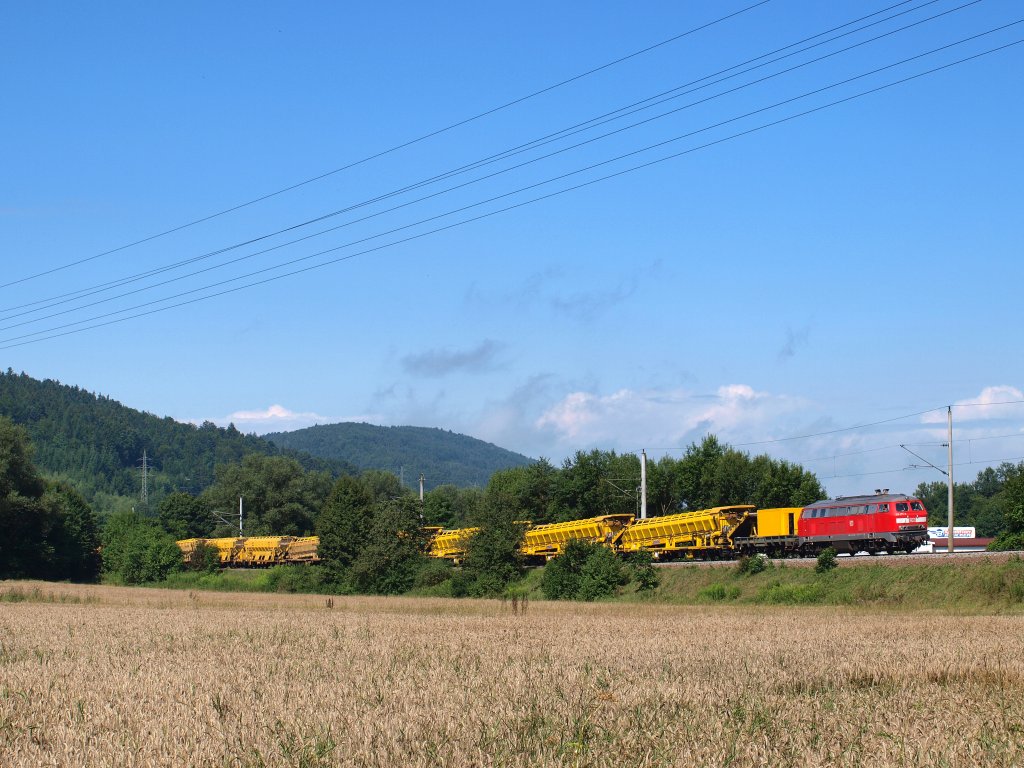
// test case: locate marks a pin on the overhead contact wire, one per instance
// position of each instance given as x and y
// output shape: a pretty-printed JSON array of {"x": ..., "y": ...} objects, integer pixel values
[{"x": 513, "y": 207}]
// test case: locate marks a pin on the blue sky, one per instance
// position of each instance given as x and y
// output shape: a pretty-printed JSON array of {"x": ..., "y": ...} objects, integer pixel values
[{"x": 847, "y": 267}]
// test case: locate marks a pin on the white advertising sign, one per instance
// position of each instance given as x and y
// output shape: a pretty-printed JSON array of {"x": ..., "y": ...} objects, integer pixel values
[{"x": 959, "y": 532}]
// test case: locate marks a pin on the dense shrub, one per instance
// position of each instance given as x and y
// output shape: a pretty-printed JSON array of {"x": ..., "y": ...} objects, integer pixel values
[
  {"x": 295, "y": 578},
  {"x": 136, "y": 552},
  {"x": 48, "y": 530},
  {"x": 1007, "y": 542},
  {"x": 203, "y": 558},
  {"x": 584, "y": 571},
  {"x": 432, "y": 573},
  {"x": 752, "y": 564},
  {"x": 641, "y": 568},
  {"x": 826, "y": 560},
  {"x": 493, "y": 560}
]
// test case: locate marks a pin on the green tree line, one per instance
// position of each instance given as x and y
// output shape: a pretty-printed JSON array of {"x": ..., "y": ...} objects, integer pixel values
[
  {"x": 47, "y": 530},
  {"x": 993, "y": 502}
]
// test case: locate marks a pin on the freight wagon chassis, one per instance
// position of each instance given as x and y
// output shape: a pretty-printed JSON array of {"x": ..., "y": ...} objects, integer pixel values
[{"x": 872, "y": 543}]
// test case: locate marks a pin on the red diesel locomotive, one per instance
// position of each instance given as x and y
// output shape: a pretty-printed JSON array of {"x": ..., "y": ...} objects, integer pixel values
[{"x": 883, "y": 522}]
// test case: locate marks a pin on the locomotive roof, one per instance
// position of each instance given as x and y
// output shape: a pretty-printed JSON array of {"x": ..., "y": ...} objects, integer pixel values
[{"x": 874, "y": 498}]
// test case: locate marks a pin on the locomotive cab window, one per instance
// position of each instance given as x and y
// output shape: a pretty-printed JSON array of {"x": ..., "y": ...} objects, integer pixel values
[
  {"x": 902, "y": 507},
  {"x": 916, "y": 506}
]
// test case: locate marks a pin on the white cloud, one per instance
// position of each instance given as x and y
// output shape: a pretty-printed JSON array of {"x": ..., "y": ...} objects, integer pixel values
[
  {"x": 275, "y": 418},
  {"x": 998, "y": 402},
  {"x": 629, "y": 419}
]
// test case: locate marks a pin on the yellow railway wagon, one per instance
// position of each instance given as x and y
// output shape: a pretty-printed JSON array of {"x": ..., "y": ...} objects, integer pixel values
[
  {"x": 227, "y": 549},
  {"x": 263, "y": 550},
  {"x": 547, "y": 541},
  {"x": 701, "y": 533},
  {"x": 451, "y": 544},
  {"x": 304, "y": 549},
  {"x": 255, "y": 551},
  {"x": 188, "y": 548}
]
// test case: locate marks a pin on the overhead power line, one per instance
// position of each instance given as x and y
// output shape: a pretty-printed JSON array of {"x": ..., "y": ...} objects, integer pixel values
[
  {"x": 957, "y": 441},
  {"x": 876, "y": 423},
  {"x": 513, "y": 192},
  {"x": 836, "y": 431},
  {"x": 589, "y": 124},
  {"x": 395, "y": 148},
  {"x": 980, "y": 405},
  {"x": 110, "y": 286},
  {"x": 1009, "y": 436},
  {"x": 519, "y": 204},
  {"x": 911, "y": 469}
]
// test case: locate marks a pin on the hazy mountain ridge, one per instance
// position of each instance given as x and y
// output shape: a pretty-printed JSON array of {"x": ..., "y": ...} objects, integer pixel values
[{"x": 441, "y": 455}]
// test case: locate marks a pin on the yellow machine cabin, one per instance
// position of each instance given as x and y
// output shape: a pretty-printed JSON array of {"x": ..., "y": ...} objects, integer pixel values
[{"x": 780, "y": 521}]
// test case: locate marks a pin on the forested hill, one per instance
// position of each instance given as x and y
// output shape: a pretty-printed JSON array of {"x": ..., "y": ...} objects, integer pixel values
[
  {"x": 442, "y": 456},
  {"x": 97, "y": 443}
]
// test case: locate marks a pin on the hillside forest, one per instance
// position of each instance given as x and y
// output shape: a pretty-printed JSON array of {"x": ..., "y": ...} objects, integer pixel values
[
  {"x": 97, "y": 444},
  {"x": 444, "y": 457}
]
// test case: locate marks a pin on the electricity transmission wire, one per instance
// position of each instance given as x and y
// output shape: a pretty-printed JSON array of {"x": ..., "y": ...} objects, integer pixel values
[
  {"x": 605, "y": 118},
  {"x": 911, "y": 469},
  {"x": 397, "y": 147},
  {"x": 7, "y": 343},
  {"x": 858, "y": 427}
]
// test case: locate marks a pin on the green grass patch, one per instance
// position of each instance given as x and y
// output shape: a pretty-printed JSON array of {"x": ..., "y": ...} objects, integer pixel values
[
  {"x": 964, "y": 585},
  {"x": 37, "y": 595},
  {"x": 280, "y": 578},
  {"x": 718, "y": 593}
]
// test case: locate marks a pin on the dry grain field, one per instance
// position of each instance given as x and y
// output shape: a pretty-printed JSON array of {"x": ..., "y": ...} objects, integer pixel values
[{"x": 104, "y": 676}]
